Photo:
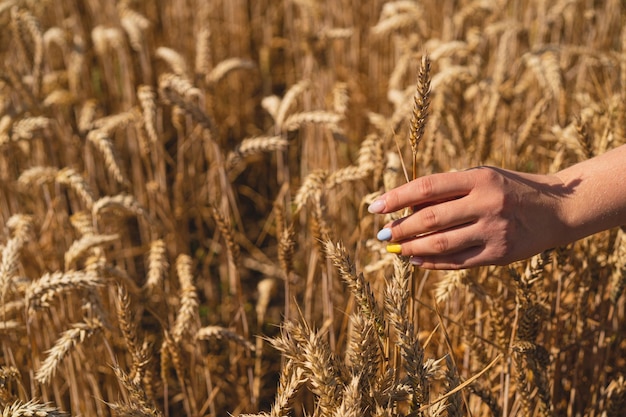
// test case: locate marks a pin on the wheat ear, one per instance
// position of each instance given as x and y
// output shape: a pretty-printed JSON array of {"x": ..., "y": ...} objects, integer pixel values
[
  {"x": 254, "y": 146},
  {"x": 81, "y": 246},
  {"x": 311, "y": 189},
  {"x": 186, "y": 317},
  {"x": 615, "y": 398},
  {"x": 135, "y": 25},
  {"x": 158, "y": 266},
  {"x": 421, "y": 102},
  {"x": 363, "y": 354},
  {"x": 227, "y": 66},
  {"x": 139, "y": 404},
  {"x": 219, "y": 333},
  {"x": 101, "y": 140},
  {"x": 359, "y": 287},
  {"x": 41, "y": 293},
  {"x": 63, "y": 346},
  {"x": 127, "y": 326},
  {"x": 147, "y": 100},
  {"x": 31, "y": 408},
  {"x": 175, "y": 60},
  {"x": 75, "y": 181},
  {"x": 310, "y": 352}
]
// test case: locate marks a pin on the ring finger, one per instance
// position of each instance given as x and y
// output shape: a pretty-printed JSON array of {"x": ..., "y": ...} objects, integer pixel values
[{"x": 447, "y": 241}]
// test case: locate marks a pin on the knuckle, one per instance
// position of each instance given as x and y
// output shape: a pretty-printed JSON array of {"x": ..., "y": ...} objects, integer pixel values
[
  {"x": 488, "y": 174},
  {"x": 430, "y": 219},
  {"x": 425, "y": 186},
  {"x": 440, "y": 243}
]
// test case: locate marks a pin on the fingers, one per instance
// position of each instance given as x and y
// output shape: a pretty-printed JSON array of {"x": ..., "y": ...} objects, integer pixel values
[
  {"x": 432, "y": 218},
  {"x": 450, "y": 241},
  {"x": 466, "y": 258},
  {"x": 431, "y": 188}
]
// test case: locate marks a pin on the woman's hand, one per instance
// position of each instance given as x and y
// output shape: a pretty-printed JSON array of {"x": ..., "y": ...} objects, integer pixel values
[{"x": 476, "y": 217}]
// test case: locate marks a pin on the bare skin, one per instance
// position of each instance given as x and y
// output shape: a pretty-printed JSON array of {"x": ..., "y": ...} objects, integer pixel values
[{"x": 492, "y": 216}]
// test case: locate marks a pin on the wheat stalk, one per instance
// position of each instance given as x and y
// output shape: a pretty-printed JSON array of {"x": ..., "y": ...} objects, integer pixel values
[
  {"x": 219, "y": 333},
  {"x": 30, "y": 409},
  {"x": 74, "y": 180},
  {"x": 9, "y": 265},
  {"x": 310, "y": 352},
  {"x": 41, "y": 293},
  {"x": 421, "y": 102},
  {"x": 63, "y": 346},
  {"x": 177, "y": 63},
  {"x": 311, "y": 189},
  {"x": 321, "y": 117},
  {"x": 120, "y": 203},
  {"x": 254, "y": 146},
  {"x": 36, "y": 176},
  {"x": 363, "y": 353},
  {"x": 227, "y": 232},
  {"x": 107, "y": 38},
  {"x": 30, "y": 38},
  {"x": 147, "y": 99},
  {"x": 203, "y": 61},
  {"x": 398, "y": 15},
  {"x": 87, "y": 116},
  {"x": 135, "y": 24},
  {"x": 223, "y": 68},
  {"x": 284, "y": 105},
  {"x": 158, "y": 266},
  {"x": 139, "y": 404},
  {"x": 338, "y": 255},
  {"x": 81, "y": 246},
  {"x": 178, "y": 91},
  {"x": 186, "y": 316},
  {"x": 26, "y": 128}
]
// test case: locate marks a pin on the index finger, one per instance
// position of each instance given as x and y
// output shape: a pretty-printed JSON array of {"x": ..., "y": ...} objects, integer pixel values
[{"x": 424, "y": 190}]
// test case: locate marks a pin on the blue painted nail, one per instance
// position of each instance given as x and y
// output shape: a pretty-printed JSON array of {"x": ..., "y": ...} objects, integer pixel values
[
  {"x": 417, "y": 261},
  {"x": 384, "y": 234}
]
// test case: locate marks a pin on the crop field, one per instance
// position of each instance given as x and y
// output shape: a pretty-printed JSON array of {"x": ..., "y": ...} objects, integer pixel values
[{"x": 183, "y": 207}]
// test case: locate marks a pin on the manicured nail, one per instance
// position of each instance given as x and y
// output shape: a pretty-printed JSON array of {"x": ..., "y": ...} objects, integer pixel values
[
  {"x": 414, "y": 260},
  {"x": 384, "y": 234},
  {"x": 377, "y": 206},
  {"x": 394, "y": 248}
]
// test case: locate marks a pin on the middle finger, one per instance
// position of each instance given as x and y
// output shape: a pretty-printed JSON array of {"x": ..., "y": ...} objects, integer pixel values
[{"x": 430, "y": 219}]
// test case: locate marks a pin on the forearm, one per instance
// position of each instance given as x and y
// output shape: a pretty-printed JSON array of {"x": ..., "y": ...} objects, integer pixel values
[{"x": 596, "y": 194}]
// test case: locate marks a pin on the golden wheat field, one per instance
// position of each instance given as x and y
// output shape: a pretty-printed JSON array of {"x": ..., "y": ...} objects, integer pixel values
[{"x": 183, "y": 207}]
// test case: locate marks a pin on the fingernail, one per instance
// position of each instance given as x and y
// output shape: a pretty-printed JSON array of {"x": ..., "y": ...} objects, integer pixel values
[
  {"x": 377, "y": 206},
  {"x": 414, "y": 260},
  {"x": 384, "y": 234},
  {"x": 394, "y": 248}
]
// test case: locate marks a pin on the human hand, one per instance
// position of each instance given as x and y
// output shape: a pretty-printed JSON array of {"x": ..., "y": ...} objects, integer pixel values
[{"x": 481, "y": 216}]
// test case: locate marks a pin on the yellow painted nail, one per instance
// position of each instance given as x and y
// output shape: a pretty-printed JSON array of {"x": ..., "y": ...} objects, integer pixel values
[{"x": 394, "y": 248}]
